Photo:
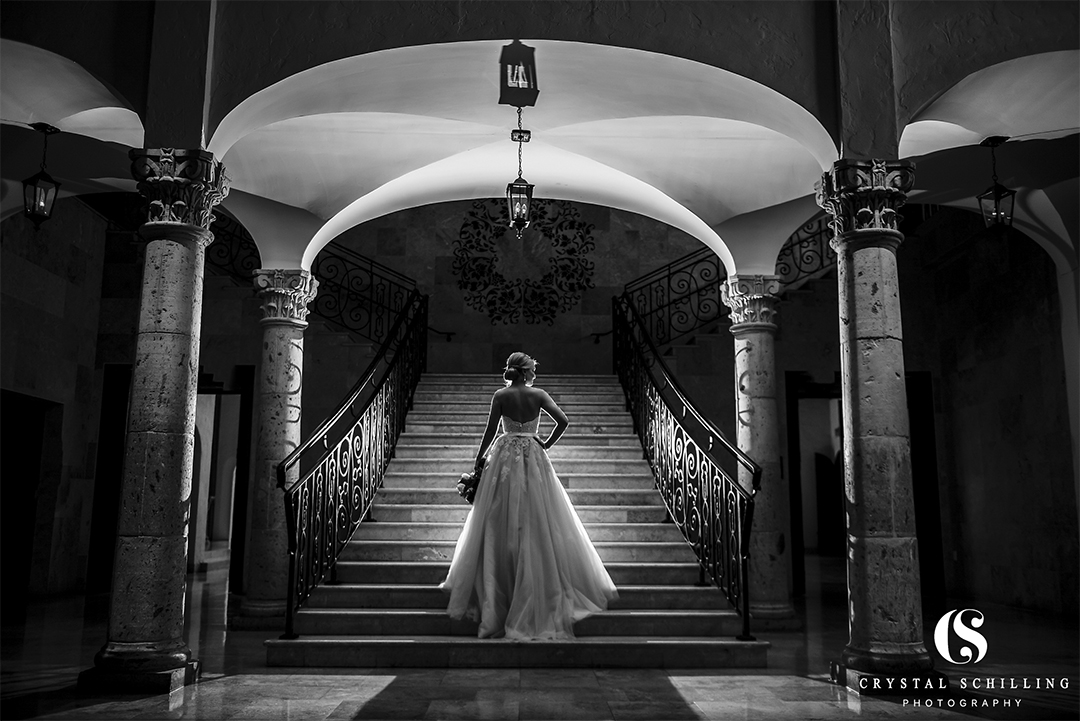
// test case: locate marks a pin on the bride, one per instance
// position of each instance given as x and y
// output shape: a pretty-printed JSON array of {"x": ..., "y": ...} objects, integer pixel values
[{"x": 523, "y": 565}]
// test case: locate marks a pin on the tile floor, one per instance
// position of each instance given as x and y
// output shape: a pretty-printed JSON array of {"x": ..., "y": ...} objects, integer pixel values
[{"x": 42, "y": 654}]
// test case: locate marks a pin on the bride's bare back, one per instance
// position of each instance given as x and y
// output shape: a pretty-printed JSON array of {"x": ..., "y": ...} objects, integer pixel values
[{"x": 522, "y": 403}]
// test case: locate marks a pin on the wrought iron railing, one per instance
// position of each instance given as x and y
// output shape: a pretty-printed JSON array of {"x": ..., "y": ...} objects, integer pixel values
[
  {"x": 357, "y": 293},
  {"x": 325, "y": 507},
  {"x": 687, "y": 454},
  {"x": 806, "y": 254},
  {"x": 681, "y": 297},
  {"x": 684, "y": 296}
]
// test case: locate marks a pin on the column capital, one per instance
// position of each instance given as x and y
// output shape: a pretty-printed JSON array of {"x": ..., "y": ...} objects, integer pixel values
[
  {"x": 183, "y": 186},
  {"x": 285, "y": 295},
  {"x": 752, "y": 300},
  {"x": 863, "y": 197}
]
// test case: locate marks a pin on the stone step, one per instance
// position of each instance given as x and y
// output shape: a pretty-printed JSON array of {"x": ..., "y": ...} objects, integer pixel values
[
  {"x": 454, "y": 452},
  {"x": 434, "y": 572},
  {"x": 583, "y": 496},
  {"x": 487, "y": 389},
  {"x": 467, "y": 652},
  {"x": 575, "y": 397},
  {"x": 614, "y": 551},
  {"x": 413, "y": 531},
  {"x": 569, "y": 480},
  {"x": 453, "y": 436},
  {"x": 477, "y": 404},
  {"x": 344, "y": 595},
  {"x": 568, "y": 378},
  {"x": 580, "y": 427},
  {"x": 456, "y": 513},
  {"x": 463, "y": 462},
  {"x": 435, "y": 622},
  {"x": 477, "y": 413}
]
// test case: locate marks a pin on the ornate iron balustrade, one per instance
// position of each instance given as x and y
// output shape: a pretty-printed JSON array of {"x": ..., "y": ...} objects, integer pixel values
[
  {"x": 357, "y": 293},
  {"x": 325, "y": 507},
  {"x": 712, "y": 509},
  {"x": 684, "y": 295},
  {"x": 806, "y": 254},
  {"x": 681, "y": 297}
]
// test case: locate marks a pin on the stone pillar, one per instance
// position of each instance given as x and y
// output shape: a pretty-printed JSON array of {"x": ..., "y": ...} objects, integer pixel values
[
  {"x": 285, "y": 295},
  {"x": 146, "y": 647},
  {"x": 884, "y": 598},
  {"x": 753, "y": 300}
]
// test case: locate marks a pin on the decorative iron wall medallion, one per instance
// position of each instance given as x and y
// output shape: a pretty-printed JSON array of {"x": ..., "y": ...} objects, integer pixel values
[{"x": 532, "y": 279}]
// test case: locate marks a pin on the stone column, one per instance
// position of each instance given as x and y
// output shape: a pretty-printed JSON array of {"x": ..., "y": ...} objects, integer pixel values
[
  {"x": 884, "y": 597},
  {"x": 285, "y": 295},
  {"x": 753, "y": 300},
  {"x": 146, "y": 647}
]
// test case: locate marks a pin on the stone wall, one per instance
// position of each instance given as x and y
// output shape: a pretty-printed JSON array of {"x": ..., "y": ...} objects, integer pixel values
[
  {"x": 419, "y": 243},
  {"x": 51, "y": 289}
]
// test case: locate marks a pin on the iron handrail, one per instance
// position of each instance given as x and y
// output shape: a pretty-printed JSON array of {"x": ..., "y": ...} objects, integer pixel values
[
  {"x": 325, "y": 507},
  {"x": 712, "y": 510}
]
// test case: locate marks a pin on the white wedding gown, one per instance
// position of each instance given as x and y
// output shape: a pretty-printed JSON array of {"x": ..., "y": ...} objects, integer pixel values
[{"x": 524, "y": 566}]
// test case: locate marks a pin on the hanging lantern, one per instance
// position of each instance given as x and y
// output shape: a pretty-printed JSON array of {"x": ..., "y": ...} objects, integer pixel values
[
  {"x": 517, "y": 75},
  {"x": 519, "y": 202},
  {"x": 39, "y": 191},
  {"x": 996, "y": 203}
]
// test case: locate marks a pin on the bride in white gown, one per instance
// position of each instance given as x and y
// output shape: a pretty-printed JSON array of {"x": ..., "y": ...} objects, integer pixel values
[{"x": 524, "y": 566}]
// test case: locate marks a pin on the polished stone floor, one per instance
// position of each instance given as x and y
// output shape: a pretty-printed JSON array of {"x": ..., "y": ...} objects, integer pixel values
[{"x": 42, "y": 653}]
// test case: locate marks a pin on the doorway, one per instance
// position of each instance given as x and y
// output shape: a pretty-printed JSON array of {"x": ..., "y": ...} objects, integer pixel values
[{"x": 814, "y": 428}]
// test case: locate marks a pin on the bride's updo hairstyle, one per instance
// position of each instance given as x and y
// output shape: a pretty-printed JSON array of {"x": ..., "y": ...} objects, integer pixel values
[{"x": 519, "y": 366}]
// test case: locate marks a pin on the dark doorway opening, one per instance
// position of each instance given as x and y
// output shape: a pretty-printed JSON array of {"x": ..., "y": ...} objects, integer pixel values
[
  {"x": 30, "y": 466},
  {"x": 814, "y": 500}
]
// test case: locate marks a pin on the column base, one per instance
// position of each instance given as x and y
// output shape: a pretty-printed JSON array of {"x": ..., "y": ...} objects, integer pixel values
[
  {"x": 103, "y": 679},
  {"x": 903, "y": 659},
  {"x": 256, "y": 614},
  {"x": 929, "y": 683},
  {"x": 774, "y": 617}
]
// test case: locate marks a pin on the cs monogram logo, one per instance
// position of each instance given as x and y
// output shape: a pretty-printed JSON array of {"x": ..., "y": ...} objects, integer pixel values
[{"x": 953, "y": 622}]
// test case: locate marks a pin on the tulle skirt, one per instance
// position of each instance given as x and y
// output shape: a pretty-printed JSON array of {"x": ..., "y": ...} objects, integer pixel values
[{"x": 524, "y": 566}]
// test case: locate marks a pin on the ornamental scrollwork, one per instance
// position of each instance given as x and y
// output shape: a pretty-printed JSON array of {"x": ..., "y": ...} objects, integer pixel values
[
  {"x": 752, "y": 300},
  {"x": 285, "y": 295},
  {"x": 511, "y": 300},
  {"x": 183, "y": 186},
  {"x": 865, "y": 195}
]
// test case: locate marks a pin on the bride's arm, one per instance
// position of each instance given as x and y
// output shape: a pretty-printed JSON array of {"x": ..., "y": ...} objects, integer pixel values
[
  {"x": 492, "y": 425},
  {"x": 559, "y": 417}
]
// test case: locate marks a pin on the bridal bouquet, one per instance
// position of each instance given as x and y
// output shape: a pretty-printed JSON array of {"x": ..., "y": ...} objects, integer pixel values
[{"x": 469, "y": 482}]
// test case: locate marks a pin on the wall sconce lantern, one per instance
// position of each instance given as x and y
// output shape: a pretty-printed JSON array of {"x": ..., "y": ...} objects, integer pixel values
[
  {"x": 517, "y": 86},
  {"x": 996, "y": 203},
  {"x": 39, "y": 191}
]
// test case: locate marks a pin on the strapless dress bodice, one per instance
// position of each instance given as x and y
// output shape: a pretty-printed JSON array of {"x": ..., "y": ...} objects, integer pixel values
[{"x": 511, "y": 426}]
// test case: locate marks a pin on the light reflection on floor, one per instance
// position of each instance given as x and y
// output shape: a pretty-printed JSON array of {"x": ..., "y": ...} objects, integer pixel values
[{"x": 42, "y": 656}]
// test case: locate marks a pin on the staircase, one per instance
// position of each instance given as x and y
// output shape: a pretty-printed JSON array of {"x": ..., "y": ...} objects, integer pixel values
[{"x": 386, "y": 610}]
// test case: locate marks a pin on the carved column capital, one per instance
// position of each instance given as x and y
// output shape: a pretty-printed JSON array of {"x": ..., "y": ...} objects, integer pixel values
[
  {"x": 863, "y": 197},
  {"x": 753, "y": 300},
  {"x": 285, "y": 295},
  {"x": 183, "y": 186}
]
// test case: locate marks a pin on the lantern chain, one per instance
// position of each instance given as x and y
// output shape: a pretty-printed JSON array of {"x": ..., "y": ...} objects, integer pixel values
[{"x": 520, "y": 135}]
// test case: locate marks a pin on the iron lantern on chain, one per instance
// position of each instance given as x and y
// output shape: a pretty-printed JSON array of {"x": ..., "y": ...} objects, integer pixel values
[
  {"x": 517, "y": 87},
  {"x": 996, "y": 203},
  {"x": 39, "y": 191}
]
